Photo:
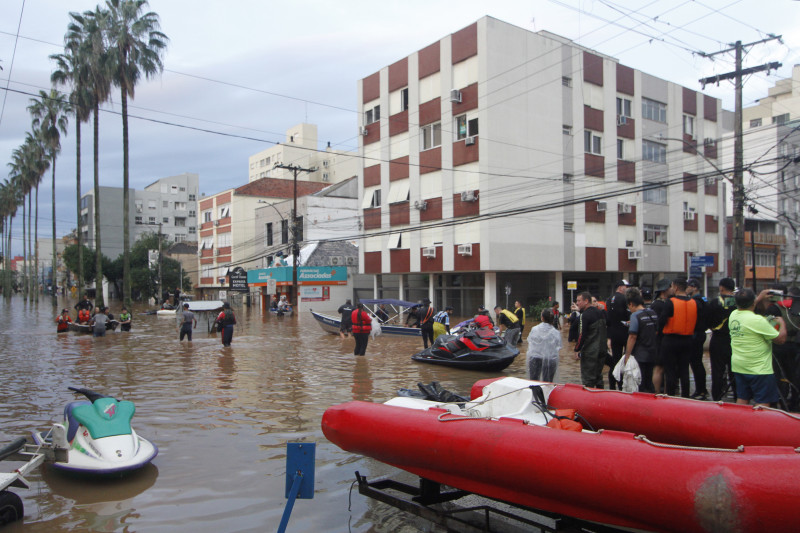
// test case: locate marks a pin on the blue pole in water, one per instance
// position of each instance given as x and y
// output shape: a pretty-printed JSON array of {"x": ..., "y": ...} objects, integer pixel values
[
  {"x": 299, "y": 468},
  {"x": 287, "y": 512}
]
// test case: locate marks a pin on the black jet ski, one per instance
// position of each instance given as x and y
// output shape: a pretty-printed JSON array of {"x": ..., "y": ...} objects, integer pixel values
[{"x": 474, "y": 349}]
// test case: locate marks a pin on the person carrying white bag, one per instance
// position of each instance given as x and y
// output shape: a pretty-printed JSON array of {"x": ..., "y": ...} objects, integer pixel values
[{"x": 637, "y": 371}]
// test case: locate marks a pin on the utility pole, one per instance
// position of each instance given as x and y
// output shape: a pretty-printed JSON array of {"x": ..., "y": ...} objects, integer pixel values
[
  {"x": 738, "y": 148},
  {"x": 296, "y": 169},
  {"x": 160, "y": 262}
]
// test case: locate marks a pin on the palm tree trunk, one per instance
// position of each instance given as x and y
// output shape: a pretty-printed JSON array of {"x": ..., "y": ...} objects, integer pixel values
[
  {"x": 8, "y": 289},
  {"x": 30, "y": 248},
  {"x": 53, "y": 284},
  {"x": 97, "y": 248},
  {"x": 78, "y": 203},
  {"x": 24, "y": 254},
  {"x": 36, "y": 250},
  {"x": 126, "y": 249}
]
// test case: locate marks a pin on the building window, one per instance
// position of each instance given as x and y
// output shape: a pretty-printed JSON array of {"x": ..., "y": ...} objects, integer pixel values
[
  {"x": 165, "y": 204},
  {"x": 224, "y": 240},
  {"x": 224, "y": 212},
  {"x": 654, "y": 194},
  {"x": 466, "y": 128},
  {"x": 180, "y": 237},
  {"x": 192, "y": 214},
  {"x": 182, "y": 189},
  {"x": 284, "y": 231},
  {"x": 688, "y": 125},
  {"x": 566, "y": 129},
  {"x": 655, "y": 234},
  {"x": 566, "y": 178},
  {"x": 654, "y": 110},
  {"x": 151, "y": 220},
  {"x": 151, "y": 204},
  {"x": 207, "y": 216},
  {"x": 174, "y": 189},
  {"x": 139, "y": 205},
  {"x": 372, "y": 115},
  {"x": 180, "y": 222},
  {"x": 430, "y": 136},
  {"x": 180, "y": 206},
  {"x": 763, "y": 259},
  {"x": 138, "y": 220},
  {"x": 623, "y": 107},
  {"x": 780, "y": 119},
  {"x": 192, "y": 197},
  {"x": 165, "y": 220},
  {"x": 192, "y": 229},
  {"x": 620, "y": 149},
  {"x": 592, "y": 143},
  {"x": 404, "y": 99},
  {"x": 756, "y": 122},
  {"x": 376, "y": 199},
  {"x": 268, "y": 231},
  {"x": 566, "y": 81},
  {"x": 655, "y": 152}
]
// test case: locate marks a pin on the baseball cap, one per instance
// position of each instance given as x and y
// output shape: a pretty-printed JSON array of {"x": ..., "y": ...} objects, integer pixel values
[{"x": 620, "y": 283}]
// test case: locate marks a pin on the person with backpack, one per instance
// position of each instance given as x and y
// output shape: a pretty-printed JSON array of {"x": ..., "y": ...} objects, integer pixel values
[
  {"x": 226, "y": 320},
  {"x": 362, "y": 326},
  {"x": 346, "y": 324},
  {"x": 642, "y": 338},
  {"x": 719, "y": 349}
]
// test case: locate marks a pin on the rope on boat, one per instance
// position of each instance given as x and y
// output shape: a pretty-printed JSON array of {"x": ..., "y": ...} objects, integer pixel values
[
  {"x": 767, "y": 408},
  {"x": 459, "y": 418},
  {"x": 644, "y": 439}
]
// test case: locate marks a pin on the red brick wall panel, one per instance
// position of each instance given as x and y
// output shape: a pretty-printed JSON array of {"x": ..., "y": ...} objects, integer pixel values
[
  {"x": 373, "y": 133},
  {"x": 593, "y": 68},
  {"x": 592, "y": 118},
  {"x": 430, "y": 111},
  {"x": 398, "y": 168},
  {"x": 689, "y": 101},
  {"x": 398, "y": 123},
  {"x": 466, "y": 263},
  {"x": 710, "y": 150},
  {"x": 591, "y": 213},
  {"x": 372, "y": 218},
  {"x": 709, "y": 108},
  {"x": 433, "y": 210},
  {"x": 400, "y": 261},
  {"x": 372, "y": 175},
  {"x": 465, "y": 209},
  {"x": 712, "y": 226},
  {"x": 627, "y": 219},
  {"x": 624, "y": 79},
  {"x": 464, "y": 43},
  {"x": 463, "y": 154},
  {"x": 711, "y": 187},
  {"x": 371, "y": 87},
  {"x": 627, "y": 130},
  {"x": 594, "y": 165},
  {"x": 428, "y": 59},
  {"x": 398, "y": 75},
  {"x": 690, "y": 225},
  {"x": 689, "y": 182},
  {"x": 428, "y": 264},
  {"x": 469, "y": 100},
  {"x": 625, "y": 264},
  {"x": 626, "y": 171},
  {"x": 372, "y": 263},
  {"x": 595, "y": 259},
  {"x": 430, "y": 160},
  {"x": 689, "y": 144},
  {"x": 398, "y": 214}
]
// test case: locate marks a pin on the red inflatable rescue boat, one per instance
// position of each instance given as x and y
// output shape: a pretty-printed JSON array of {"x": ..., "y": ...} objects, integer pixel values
[{"x": 640, "y": 461}]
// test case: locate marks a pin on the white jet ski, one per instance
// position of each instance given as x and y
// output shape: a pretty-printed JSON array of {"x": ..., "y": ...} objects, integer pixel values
[{"x": 98, "y": 436}]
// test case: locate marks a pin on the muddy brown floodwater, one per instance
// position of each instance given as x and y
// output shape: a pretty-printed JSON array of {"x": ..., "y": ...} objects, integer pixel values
[{"x": 221, "y": 418}]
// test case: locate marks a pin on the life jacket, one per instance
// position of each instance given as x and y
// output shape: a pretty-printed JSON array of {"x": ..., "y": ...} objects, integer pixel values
[
  {"x": 483, "y": 321},
  {"x": 683, "y": 319},
  {"x": 426, "y": 317},
  {"x": 84, "y": 315},
  {"x": 511, "y": 316},
  {"x": 362, "y": 323},
  {"x": 520, "y": 312},
  {"x": 124, "y": 316},
  {"x": 63, "y": 322}
]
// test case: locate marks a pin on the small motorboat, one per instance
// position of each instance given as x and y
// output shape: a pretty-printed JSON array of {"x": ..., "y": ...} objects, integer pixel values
[
  {"x": 111, "y": 325},
  {"x": 281, "y": 311},
  {"x": 474, "y": 349},
  {"x": 628, "y": 460},
  {"x": 395, "y": 312},
  {"x": 98, "y": 435}
]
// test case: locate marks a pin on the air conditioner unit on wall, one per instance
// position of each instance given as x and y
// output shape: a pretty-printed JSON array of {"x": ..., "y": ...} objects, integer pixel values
[
  {"x": 336, "y": 260},
  {"x": 421, "y": 205},
  {"x": 364, "y": 131},
  {"x": 216, "y": 223},
  {"x": 708, "y": 141},
  {"x": 689, "y": 215},
  {"x": 621, "y": 120},
  {"x": 625, "y": 209},
  {"x": 602, "y": 206},
  {"x": 455, "y": 96},
  {"x": 216, "y": 252},
  {"x": 634, "y": 254},
  {"x": 429, "y": 252},
  {"x": 469, "y": 196},
  {"x": 469, "y": 141},
  {"x": 350, "y": 260},
  {"x": 465, "y": 249}
]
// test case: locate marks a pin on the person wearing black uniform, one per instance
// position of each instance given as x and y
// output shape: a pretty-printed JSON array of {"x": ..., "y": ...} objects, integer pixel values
[
  {"x": 642, "y": 337},
  {"x": 662, "y": 294},
  {"x": 618, "y": 317},
  {"x": 785, "y": 355},
  {"x": 425, "y": 314},
  {"x": 698, "y": 341},
  {"x": 677, "y": 325},
  {"x": 346, "y": 324},
  {"x": 719, "y": 348},
  {"x": 84, "y": 304}
]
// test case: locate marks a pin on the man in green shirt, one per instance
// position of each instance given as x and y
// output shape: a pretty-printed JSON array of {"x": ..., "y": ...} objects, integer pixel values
[{"x": 752, "y": 336}]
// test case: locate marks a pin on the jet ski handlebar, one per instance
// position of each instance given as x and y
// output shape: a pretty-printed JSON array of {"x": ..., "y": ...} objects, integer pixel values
[{"x": 91, "y": 395}]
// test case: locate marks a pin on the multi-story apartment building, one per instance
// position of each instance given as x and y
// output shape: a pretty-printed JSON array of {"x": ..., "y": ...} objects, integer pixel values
[
  {"x": 781, "y": 104},
  {"x": 500, "y": 161},
  {"x": 227, "y": 231},
  {"x": 301, "y": 149},
  {"x": 169, "y": 202}
]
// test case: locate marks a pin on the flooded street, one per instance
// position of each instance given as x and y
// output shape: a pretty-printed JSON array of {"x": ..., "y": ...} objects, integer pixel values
[{"x": 221, "y": 418}]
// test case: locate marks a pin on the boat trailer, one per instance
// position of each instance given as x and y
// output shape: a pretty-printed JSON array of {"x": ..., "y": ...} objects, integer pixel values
[{"x": 429, "y": 501}]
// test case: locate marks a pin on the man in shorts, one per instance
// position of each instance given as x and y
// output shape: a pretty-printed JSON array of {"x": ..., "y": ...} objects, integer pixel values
[
  {"x": 752, "y": 337},
  {"x": 188, "y": 322}
]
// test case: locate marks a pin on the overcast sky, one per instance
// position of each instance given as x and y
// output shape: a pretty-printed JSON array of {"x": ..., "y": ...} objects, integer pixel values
[{"x": 245, "y": 71}]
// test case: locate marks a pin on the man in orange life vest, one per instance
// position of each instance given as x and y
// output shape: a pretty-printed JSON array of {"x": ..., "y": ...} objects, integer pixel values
[
  {"x": 678, "y": 323},
  {"x": 362, "y": 327}
]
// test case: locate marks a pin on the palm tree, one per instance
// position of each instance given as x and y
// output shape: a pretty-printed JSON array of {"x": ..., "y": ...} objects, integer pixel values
[
  {"x": 36, "y": 164},
  {"x": 49, "y": 114},
  {"x": 72, "y": 70},
  {"x": 86, "y": 33},
  {"x": 136, "y": 45},
  {"x": 18, "y": 174},
  {"x": 10, "y": 198}
]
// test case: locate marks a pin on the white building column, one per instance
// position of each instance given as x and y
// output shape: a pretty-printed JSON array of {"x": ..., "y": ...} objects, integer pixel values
[
  {"x": 490, "y": 291},
  {"x": 374, "y": 286},
  {"x": 400, "y": 288},
  {"x": 559, "y": 288},
  {"x": 431, "y": 287}
]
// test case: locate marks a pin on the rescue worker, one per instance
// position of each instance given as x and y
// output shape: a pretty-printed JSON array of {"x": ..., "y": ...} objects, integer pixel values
[
  {"x": 124, "y": 320},
  {"x": 508, "y": 321},
  {"x": 86, "y": 305},
  {"x": 719, "y": 349},
  {"x": 441, "y": 322},
  {"x": 424, "y": 315},
  {"x": 226, "y": 320},
  {"x": 591, "y": 346},
  {"x": 482, "y": 319},
  {"x": 618, "y": 317},
  {"x": 662, "y": 294},
  {"x": 678, "y": 323},
  {"x": 63, "y": 320},
  {"x": 698, "y": 341},
  {"x": 362, "y": 326},
  {"x": 346, "y": 311},
  {"x": 520, "y": 312}
]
